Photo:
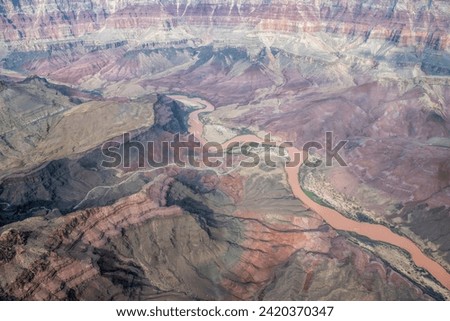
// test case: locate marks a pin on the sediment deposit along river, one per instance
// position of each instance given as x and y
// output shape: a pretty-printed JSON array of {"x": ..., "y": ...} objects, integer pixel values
[{"x": 333, "y": 218}]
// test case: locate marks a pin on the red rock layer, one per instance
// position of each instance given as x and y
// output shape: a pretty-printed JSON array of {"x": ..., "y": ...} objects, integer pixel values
[{"x": 401, "y": 21}]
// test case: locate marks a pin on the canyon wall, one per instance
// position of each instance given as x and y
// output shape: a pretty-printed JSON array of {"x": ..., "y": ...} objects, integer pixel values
[
  {"x": 400, "y": 21},
  {"x": 74, "y": 74}
]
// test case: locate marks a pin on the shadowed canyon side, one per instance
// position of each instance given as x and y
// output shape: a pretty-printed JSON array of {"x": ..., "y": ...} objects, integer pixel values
[
  {"x": 216, "y": 242},
  {"x": 136, "y": 249},
  {"x": 75, "y": 76},
  {"x": 332, "y": 217}
]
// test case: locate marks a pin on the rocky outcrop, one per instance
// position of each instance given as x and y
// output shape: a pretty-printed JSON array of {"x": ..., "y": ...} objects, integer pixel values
[
  {"x": 401, "y": 21},
  {"x": 373, "y": 73},
  {"x": 302, "y": 277},
  {"x": 79, "y": 179},
  {"x": 41, "y": 122},
  {"x": 172, "y": 242}
]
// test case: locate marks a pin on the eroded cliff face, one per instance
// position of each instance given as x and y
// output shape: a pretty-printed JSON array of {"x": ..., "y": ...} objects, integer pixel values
[
  {"x": 41, "y": 122},
  {"x": 78, "y": 27},
  {"x": 169, "y": 241},
  {"x": 79, "y": 231},
  {"x": 400, "y": 21},
  {"x": 374, "y": 73},
  {"x": 95, "y": 43}
]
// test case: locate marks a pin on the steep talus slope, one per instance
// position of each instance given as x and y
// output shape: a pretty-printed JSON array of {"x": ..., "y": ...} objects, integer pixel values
[
  {"x": 375, "y": 73},
  {"x": 169, "y": 241},
  {"x": 399, "y": 21},
  {"x": 75, "y": 181}
]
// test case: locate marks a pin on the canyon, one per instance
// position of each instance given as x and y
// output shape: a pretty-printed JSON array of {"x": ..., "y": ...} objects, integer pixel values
[{"x": 74, "y": 75}]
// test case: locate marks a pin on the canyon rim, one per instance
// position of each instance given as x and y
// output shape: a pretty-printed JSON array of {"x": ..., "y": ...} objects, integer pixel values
[{"x": 77, "y": 75}]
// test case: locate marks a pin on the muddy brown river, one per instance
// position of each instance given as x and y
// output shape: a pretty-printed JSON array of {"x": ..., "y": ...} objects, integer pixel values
[{"x": 333, "y": 218}]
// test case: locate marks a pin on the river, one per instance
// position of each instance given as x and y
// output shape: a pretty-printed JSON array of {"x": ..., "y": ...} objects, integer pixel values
[{"x": 335, "y": 219}]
